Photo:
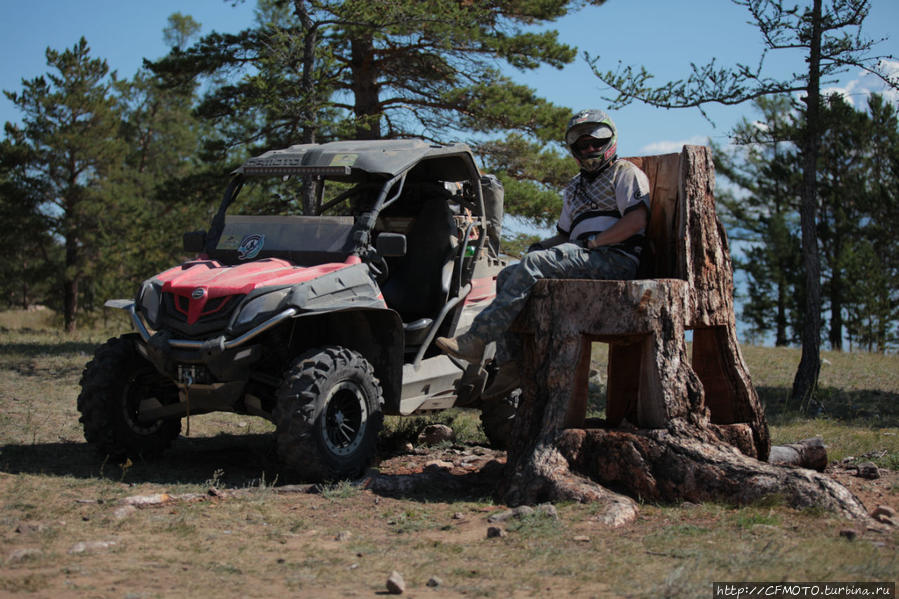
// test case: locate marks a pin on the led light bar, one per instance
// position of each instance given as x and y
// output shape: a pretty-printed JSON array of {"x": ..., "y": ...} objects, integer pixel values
[{"x": 291, "y": 169}]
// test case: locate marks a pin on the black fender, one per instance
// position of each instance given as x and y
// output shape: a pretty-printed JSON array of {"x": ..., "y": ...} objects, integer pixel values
[{"x": 376, "y": 333}]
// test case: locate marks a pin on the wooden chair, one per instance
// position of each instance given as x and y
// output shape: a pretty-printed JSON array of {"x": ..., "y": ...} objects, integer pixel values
[{"x": 688, "y": 285}]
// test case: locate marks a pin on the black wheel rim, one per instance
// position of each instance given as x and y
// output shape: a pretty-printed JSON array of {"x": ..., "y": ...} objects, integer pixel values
[
  {"x": 345, "y": 418},
  {"x": 138, "y": 389}
]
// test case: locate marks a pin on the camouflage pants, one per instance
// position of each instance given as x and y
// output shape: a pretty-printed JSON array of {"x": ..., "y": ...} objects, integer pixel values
[{"x": 514, "y": 284}]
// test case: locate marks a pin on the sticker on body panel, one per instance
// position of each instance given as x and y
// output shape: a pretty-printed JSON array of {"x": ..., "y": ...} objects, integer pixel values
[{"x": 250, "y": 246}]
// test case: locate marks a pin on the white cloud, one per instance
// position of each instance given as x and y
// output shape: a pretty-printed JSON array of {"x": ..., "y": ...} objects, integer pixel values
[
  {"x": 846, "y": 91},
  {"x": 866, "y": 84},
  {"x": 669, "y": 147},
  {"x": 890, "y": 67}
]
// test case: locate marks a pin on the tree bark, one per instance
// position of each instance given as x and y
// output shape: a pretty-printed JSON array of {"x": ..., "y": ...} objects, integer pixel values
[
  {"x": 365, "y": 89},
  {"x": 806, "y": 379},
  {"x": 70, "y": 284},
  {"x": 307, "y": 81},
  {"x": 684, "y": 463}
]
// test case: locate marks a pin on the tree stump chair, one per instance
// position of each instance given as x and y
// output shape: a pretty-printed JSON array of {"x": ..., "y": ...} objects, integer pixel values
[{"x": 676, "y": 428}]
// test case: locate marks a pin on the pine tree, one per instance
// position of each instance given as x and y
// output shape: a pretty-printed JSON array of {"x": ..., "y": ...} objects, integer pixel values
[
  {"x": 28, "y": 249},
  {"x": 69, "y": 136},
  {"x": 164, "y": 187},
  {"x": 365, "y": 69},
  {"x": 842, "y": 187},
  {"x": 872, "y": 306},
  {"x": 763, "y": 215},
  {"x": 858, "y": 211}
]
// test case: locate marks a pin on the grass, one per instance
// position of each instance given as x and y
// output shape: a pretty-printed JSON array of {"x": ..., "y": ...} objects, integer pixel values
[{"x": 344, "y": 540}]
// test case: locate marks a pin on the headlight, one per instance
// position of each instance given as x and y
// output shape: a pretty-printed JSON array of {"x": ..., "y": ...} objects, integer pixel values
[
  {"x": 261, "y": 305},
  {"x": 149, "y": 300}
]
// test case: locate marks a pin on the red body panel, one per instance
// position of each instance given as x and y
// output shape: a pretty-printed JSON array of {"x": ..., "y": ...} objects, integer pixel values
[
  {"x": 211, "y": 280},
  {"x": 481, "y": 289}
]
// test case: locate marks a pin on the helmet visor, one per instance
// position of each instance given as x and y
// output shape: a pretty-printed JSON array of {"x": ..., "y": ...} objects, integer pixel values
[
  {"x": 587, "y": 144},
  {"x": 601, "y": 132}
]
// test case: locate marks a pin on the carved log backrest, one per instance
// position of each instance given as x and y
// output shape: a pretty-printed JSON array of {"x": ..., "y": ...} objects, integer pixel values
[
  {"x": 659, "y": 258},
  {"x": 685, "y": 240}
]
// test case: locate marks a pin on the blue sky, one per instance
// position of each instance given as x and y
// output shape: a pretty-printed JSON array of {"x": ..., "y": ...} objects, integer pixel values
[{"x": 663, "y": 35}]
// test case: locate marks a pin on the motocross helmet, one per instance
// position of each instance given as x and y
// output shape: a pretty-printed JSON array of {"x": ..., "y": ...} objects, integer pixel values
[{"x": 592, "y": 138}]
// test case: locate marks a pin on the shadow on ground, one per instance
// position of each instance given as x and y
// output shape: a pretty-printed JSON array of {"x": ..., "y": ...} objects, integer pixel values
[
  {"x": 244, "y": 461},
  {"x": 232, "y": 460},
  {"x": 870, "y": 408}
]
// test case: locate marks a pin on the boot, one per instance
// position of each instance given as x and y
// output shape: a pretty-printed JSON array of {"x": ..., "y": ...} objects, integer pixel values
[
  {"x": 466, "y": 347},
  {"x": 507, "y": 379}
]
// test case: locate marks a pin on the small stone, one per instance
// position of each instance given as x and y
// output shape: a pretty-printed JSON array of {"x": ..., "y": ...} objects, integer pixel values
[
  {"x": 343, "y": 535},
  {"x": 519, "y": 512},
  {"x": 434, "y": 581},
  {"x": 89, "y": 546},
  {"x": 458, "y": 516},
  {"x": 123, "y": 511},
  {"x": 549, "y": 510},
  {"x": 408, "y": 447},
  {"x": 581, "y": 539},
  {"x": 395, "y": 583},
  {"x": 849, "y": 533},
  {"x": 884, "y": 514},
  {"x": 494, "y": 532},
  {"x": 436, "y": 433},
  {"x": 147, "y": 500},
  {"x": 26, "y": 528},
  {"x": 868, "y": 470}
]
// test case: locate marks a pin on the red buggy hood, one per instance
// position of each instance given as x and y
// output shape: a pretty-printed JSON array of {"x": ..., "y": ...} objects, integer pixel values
[{"x": 206, "y": 280}]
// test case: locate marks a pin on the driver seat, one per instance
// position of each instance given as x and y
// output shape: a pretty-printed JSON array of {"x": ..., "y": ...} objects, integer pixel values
[{"x": 418, "y": 284}]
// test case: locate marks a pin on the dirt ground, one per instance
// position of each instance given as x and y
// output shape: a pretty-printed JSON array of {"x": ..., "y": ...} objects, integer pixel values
[{"x": 104, "y": 538}]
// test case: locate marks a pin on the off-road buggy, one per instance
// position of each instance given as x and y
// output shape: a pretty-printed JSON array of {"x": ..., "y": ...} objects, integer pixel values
[{"x": 321, "y": 324}]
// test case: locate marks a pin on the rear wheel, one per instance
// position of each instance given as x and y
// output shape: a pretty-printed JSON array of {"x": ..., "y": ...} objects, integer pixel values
[
  {"x": 498, "y": 419},
  {"x": 113, "y": 386},
  {"x": 328, "y": 414}
]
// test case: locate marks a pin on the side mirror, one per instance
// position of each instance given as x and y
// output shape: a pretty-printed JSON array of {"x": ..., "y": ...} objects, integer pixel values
[
  {"x": 194, "y": 242},
  {"x": 391, "y": 245}
]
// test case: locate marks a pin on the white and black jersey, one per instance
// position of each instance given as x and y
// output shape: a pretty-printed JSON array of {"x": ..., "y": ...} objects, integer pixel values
[{"x": 592, "y": 205}]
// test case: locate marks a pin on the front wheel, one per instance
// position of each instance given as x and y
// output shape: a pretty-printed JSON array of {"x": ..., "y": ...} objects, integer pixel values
[
  {"x": 113, "y": 386},
  {"x": 328, "y": 414}
]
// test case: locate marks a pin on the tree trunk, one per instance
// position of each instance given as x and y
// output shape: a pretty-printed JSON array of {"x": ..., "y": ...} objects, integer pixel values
[
  {"x": 310, "y": 40},
  {"x": 806, "y": 379},
  {"x": 70, "y": 285},
  {"x": 366, "y": 104}
]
